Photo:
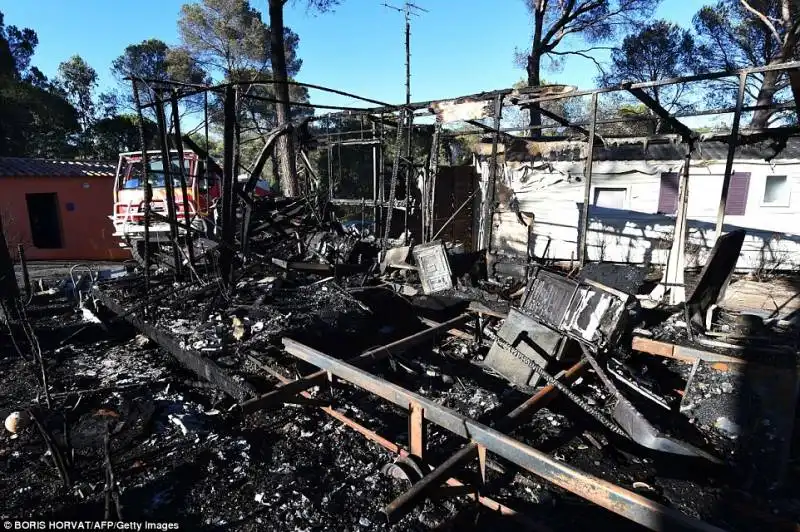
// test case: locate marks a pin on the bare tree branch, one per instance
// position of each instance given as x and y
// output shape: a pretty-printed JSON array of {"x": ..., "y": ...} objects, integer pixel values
[
  {"x": 763, "y": 19},
  {"x": 580, "y": 53}
]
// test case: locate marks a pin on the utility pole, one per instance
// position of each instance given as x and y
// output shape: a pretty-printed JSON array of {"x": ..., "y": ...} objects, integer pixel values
[
  {"x": 405, "y": 118},
  {"x": 408, "y": 10}
]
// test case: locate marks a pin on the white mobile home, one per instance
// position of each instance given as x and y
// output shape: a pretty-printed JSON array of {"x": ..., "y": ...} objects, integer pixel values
[{"x": 634, "y": 196}]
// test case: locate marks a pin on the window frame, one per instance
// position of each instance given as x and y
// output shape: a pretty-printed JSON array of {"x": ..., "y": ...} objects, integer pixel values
[
  {"x": 782, "y": 204},
  {"x": 626, "y": 204}
]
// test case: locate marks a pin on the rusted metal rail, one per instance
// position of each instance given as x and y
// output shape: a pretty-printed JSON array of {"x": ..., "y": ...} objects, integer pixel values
[
  {"x": 405, "y": 502},
  {"x": 398, "y": 449},
  {"x": 623, "y": 502}
]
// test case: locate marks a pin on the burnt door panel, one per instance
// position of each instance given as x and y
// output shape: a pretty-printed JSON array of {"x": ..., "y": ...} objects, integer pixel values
[{"x": 44, "y": 219}]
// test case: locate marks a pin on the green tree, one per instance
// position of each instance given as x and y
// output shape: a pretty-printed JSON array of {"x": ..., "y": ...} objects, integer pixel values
[
  {"x": 656, "y": 51},
  {"x": 117, "y": 134},
  {"x": 35, "y": 119},
  {"x": 743, "y": 33},
  {"x": 229, "y": 39},
  {"x": 78, "y": 81},
  {"x": 592, "y": 21},
  {"x": 152, "y": 59}
]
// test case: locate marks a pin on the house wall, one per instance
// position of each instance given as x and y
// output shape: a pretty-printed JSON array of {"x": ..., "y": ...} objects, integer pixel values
[
  {"x": 553, "y": 194},
  {"x": 84, "y": 204}
]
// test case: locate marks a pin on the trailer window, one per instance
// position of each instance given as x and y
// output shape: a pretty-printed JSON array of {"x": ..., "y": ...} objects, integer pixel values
[{"x": 134, "y": 178}]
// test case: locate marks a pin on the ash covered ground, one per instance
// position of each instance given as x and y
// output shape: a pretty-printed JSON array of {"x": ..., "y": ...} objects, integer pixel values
[{"x": 180, "y": 453}]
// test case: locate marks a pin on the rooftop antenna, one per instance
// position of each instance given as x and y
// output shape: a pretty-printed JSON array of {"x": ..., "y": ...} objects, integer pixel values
[{"x": 409, "y": 9}]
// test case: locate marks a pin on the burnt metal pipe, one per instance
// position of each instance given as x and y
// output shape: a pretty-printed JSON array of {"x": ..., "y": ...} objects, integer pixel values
[{"x": 368, "y": 357}]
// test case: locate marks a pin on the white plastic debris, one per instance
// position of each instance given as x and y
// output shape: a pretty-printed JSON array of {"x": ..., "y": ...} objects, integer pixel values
[
  {"x": 16, "y": 421},
  {"x": 238, "y": 328},
  {"x": 178, "y": 423},
  {"x": 726, "y": 425},
  {"x": 88, "y": 316}
]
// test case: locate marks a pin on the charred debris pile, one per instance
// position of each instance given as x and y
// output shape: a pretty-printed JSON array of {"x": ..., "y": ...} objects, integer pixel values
[{"x": 326, "y": 378}]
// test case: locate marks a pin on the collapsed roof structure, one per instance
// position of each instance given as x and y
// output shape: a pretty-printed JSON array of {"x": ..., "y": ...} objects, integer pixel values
[{"x": 356, "y": 308}]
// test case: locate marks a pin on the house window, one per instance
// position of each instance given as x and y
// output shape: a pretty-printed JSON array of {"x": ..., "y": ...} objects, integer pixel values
[
  {"x": 776, "y": 191},
  {"x": 610, "y": 198},
  {"x": 668, "y": 195},
  {"x": 737, "y": 194}
]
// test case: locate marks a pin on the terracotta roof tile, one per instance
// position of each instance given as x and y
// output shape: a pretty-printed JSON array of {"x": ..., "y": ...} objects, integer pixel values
[{"x": 21, "y": 167}]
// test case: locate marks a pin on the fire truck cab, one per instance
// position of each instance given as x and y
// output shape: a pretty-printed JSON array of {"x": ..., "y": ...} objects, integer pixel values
[{"x": 202, "y": 188}]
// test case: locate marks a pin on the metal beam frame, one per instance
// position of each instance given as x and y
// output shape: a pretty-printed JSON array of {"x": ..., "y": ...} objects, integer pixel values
[
  {"x": 732, "y": 143},
  {"x": 398, "y": 450},
  {"x": 687, "y": 134},
  {"x": 562, "y": 121},
  {"x": 630, "y": 505},
  {"x": 587, "y": 186},
  {"x": 367, "y": 358},
  {"x": 405, "y": 502}
]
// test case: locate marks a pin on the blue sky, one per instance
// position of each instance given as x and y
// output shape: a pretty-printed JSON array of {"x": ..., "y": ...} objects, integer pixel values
[{"x": 458, "y": 47}]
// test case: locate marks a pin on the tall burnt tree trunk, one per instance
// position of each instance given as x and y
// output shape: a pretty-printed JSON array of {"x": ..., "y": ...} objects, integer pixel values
[
  {"x": 787, "y": 39},
  {"x": 285, "y": 148},
  {"x": 766, "y": 95},
  {"x": 534, "y": 67}
]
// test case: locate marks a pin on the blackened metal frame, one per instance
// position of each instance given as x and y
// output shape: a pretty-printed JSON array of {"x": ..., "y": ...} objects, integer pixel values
[{"x": 614, "y": 498}]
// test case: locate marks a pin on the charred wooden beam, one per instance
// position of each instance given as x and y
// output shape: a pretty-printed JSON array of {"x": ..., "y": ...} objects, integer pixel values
[{"x": 192, "y": 360}]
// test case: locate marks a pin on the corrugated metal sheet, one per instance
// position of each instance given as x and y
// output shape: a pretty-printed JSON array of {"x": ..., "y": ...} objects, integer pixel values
[{"x": 22, "y": 167}]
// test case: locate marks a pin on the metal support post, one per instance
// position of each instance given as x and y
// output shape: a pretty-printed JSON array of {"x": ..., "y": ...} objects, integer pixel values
[
  {"x": 416, "y": 430},
  {"x": 405, "y": 502},
  {"x": 148, "y": 191},
  {"x": 176, "y": 121},
  {"x": 169, "y": 184},
  {"x": 489, "y": 192},
  {"x": 674, "y": 277},
  {"x": 587, "y": 186},
  {"x": 228, "y": 178}
]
